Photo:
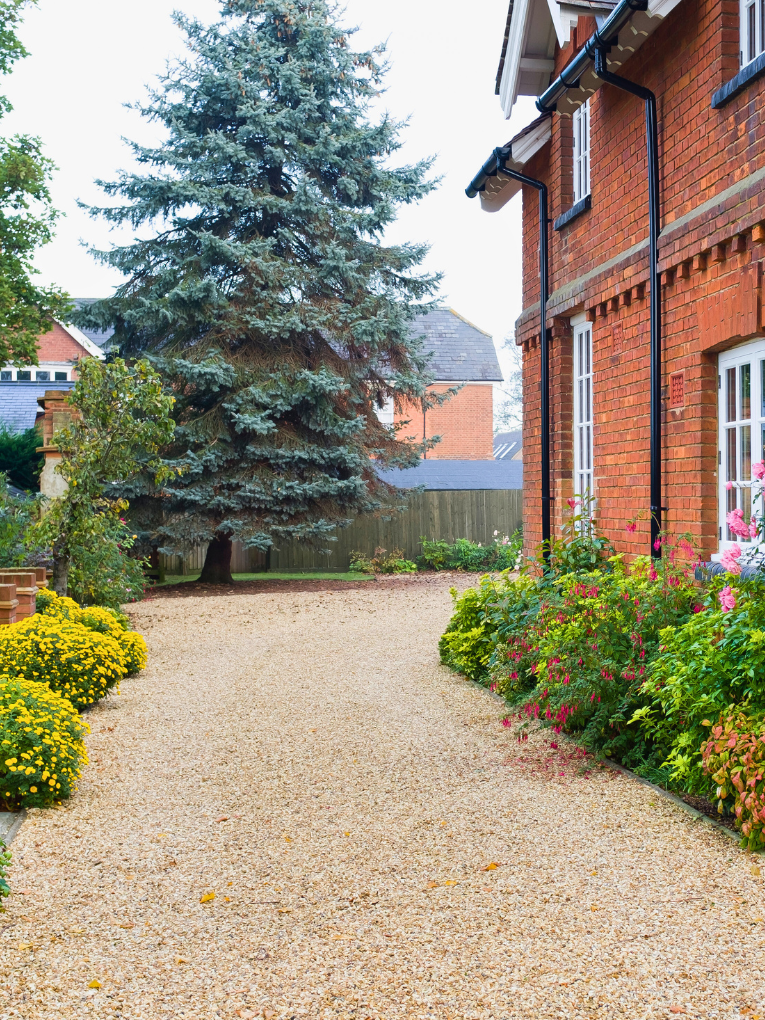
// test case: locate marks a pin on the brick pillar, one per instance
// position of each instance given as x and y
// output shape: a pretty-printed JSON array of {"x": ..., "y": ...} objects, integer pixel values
[
  {"x": 26, "y": 592},
  {"x": 56, "y": 416},
  {"x": 8, "y": 604}
]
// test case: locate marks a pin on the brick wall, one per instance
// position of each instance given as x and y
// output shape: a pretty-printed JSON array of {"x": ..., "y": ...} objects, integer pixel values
[
  {"x": 464, "y": 422},
  {"x": 711, "y": 250},
  {"x": 58, "y": 345}
]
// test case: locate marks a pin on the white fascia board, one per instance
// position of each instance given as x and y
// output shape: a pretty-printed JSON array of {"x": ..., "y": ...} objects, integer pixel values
[
  {"x": 76, "y": 334},
  {"x": 500, "y": 189},
  {"x": 508, "y": 86}
]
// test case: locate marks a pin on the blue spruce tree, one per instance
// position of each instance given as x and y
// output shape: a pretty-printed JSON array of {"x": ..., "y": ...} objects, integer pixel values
[{"x": 262, "y": 287}]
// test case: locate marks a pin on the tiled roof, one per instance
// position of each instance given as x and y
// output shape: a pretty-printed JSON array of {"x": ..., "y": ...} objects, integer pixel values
[
  {"x": 458, "y": 474},
  {"x": 508, "y": 445},
  {"x": 98, "y": 336},
  {"x": 18, "y": 402},
  {"x": 460, "y": 351}
]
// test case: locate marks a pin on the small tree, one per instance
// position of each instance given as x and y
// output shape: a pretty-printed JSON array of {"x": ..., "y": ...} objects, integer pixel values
[
  {"x": 26, "y": 221},
  {"x": 262, "y": 287},
  {"x": 122, "y": 418}
]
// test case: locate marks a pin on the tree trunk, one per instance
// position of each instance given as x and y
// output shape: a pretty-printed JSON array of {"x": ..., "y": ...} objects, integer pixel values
[
  {"x": 60, "y": 569},
  {"x": 217, "y": 568}
]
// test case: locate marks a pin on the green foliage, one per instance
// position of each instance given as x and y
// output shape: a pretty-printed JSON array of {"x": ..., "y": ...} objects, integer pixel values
[
  {"x": 26, "y": 221},
  {"x": 734, "y": 757},
  {"x": 715, "y": 659},
  {"x": 262, "y": 287},
  {"x": 18, "y": 545},
  {"x": 124, "y": 418},
  {"x": 42, "y": 748},
  {"x": 581, "y": 547},
  {"x": 5, "y": 863},
  {"x": 470, "y": 639},
  {"x": 503, "y": 554},
  {"x": 383, "y": 562},
  {"x": 80, "y": 664},
  {"x": 19, "y": 460},
  {"x": 103, "y": 572}
]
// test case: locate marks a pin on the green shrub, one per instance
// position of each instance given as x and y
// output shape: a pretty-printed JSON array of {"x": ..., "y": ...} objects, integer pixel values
[
  {"x": 78, "y": 663},
  {"x": 470, "y": 639},
  {"x": 382, "y": 562},
  {"x": 42, "y": 749},
  {"x": 714, "y": 660},
  {"x": 5, "y": 861},
  {"x": 502, "y": 554},
  {"x": 734, "y": 757},
  {"x": 102, "y": 572},
  {"x": 19, "y": 459},
  {"x": 17, "y": 518},
  {"x": 100, "y": 620},
  {"x": 134, "y": 651},
  {"x": 60, "y": 607}
]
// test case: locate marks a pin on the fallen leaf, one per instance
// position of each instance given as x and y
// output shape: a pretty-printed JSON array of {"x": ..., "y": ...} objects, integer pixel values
[
  {"x": 677, "y": 1009},
  {"x": 755, "y": 871},
  {"x": 95, "y": 983},
  {"x": 24, "y": 892},
  {"x": 128, "y": 924},
  {"x": 288, "y": 839},
  {"x": 593, "y": 907},
  {"x": 181, "y": 960},
  {"x": 346, "y": 833},
  {"x": 223, "y": 818},
  {"x": 207, "y": 897},
  {"x": 593, "y": 872},
  {"x": 76, "y": 931},
  {"x": 491, "y": 867},
  {"x": 25, "y": 945},
  {"x": 432, "y": 885},
  {"x": 284, "y": 910},
  {"x": 227, "y": 899},
  {"x": 450, "y": 881}
]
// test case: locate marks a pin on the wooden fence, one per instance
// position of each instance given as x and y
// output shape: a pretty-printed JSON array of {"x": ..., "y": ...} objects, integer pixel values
[{"x": 445, "y": 514}]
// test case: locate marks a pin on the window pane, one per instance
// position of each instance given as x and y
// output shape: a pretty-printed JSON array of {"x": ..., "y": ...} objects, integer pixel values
[
  {"x": 6, "y": 376},
  {"x": 762, "y": 26},
  {"x": 24, "y": 376},
  {"x": 745, "y": 385},
  {"x": 746, "y": 503},
  {"x": 587, "y": 348},
  {"x": 746, "y": 453},
  {"x": 731, "y": 458},
  {"x": 751, "y": 54},
  {"x": 730, "y": 393},
  {"x": 43, "y": 376},
  {"x": 60, "y": 376}
]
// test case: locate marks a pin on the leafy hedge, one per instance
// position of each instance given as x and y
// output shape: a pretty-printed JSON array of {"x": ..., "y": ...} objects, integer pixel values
[
  {"x": 637, "y": 663},
  {"x": 42, "y": 750},
  {"x": 5, "y": 860}
]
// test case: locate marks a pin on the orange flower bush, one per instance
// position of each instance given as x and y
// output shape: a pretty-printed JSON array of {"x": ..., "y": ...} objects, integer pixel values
[{"x": 734, "y": 756}]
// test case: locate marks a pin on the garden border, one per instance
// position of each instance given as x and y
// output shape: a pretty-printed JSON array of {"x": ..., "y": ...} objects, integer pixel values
[{"x": 10, "y": 823}]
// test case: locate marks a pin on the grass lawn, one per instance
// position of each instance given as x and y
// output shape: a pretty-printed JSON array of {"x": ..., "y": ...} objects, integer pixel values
[{"x": 274, "y": 576}]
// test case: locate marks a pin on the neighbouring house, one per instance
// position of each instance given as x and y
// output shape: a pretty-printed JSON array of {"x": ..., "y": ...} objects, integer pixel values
[
  {"x": 58, "y": 352},
  {"x": 464, "y": 356},
  {"x": 508, "y": 445},
  {"x": 654, "y": 330}
]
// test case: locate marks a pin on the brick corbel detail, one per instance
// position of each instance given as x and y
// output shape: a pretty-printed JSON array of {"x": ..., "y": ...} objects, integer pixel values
[{"x": 731, "y": 308}]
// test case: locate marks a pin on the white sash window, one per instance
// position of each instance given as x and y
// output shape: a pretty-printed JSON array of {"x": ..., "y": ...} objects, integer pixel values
[
  {"x": 581, "y": 125},
  {"x": 583, "y": 478},
  {"x": 741, "y": 404},
  {"x": 752, "y": 14}
]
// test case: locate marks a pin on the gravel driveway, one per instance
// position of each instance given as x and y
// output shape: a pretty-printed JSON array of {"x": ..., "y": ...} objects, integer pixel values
[{"x": 304, "y": 757}]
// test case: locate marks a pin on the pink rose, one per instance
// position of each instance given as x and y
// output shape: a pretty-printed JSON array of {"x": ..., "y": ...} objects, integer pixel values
[
  {"x": 729, "y": 559},
  {"x": 758, "y": 469},
  {"x": 727, "y": 599},
  {"x": 729, "y": 485},
  {"x": 735, "y": 521},
  {"x": 754, "y": 528}
]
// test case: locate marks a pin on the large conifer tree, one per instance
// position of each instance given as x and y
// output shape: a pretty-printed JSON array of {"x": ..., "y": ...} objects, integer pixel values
[{"x": 263, "y": 289}]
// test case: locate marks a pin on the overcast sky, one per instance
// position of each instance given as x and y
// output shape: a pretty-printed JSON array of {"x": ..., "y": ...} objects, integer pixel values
[{"x": 90, "y": 57}]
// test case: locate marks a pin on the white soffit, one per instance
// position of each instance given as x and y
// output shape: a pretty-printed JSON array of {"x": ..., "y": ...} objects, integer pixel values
[
  {"x": 537, "y": 25},
  {"x": 76, "y": 334},
  {"x": 500, "y": 189}
]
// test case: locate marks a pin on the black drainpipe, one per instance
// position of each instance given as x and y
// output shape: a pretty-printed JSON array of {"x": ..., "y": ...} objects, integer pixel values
[
  {"x": 652, "y": 136},
  {"x": 544, "y": 347}
]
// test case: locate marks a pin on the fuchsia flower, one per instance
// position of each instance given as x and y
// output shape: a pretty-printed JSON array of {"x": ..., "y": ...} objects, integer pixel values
[
  {"x": 727, "y": 599},
  {"x": 758, "y": 469},
  {"x": 735, "y": 521},
  {"x": 571, "y": 502},
  {"x": 631, "y": 526},
  {"x": 657, "y": 544},
  {"x": 729, "y": 559}
]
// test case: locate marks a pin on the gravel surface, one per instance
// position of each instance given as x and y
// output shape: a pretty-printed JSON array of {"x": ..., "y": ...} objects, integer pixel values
[{"x": 378, "y": 845}]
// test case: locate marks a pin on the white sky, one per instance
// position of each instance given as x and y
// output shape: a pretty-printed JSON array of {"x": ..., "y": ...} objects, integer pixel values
[{"x": 89, "y": 57}]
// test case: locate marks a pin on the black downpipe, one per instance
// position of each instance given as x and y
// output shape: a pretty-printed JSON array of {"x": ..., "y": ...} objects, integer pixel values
[
  {"x": 652, "y": 137},
  {"x": 543, "y": 342}
]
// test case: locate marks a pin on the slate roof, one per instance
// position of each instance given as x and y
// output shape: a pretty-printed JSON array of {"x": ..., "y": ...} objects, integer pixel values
[
  {"x": 458, "y": 474},
  {"x": 18, "y": 402},
  {"x": 98, "y": 336},
  {"x": 508, "y": 445},
  {"x": 461, "y": 352}
]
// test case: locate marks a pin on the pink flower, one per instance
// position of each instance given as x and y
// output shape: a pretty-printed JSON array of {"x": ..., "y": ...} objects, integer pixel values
[
  {"x": 506, "y": 722},
  {"x": 657, "y": 544},
  {"x": 727, "y": 599},
  {"x": 698, "y": 608},
  {"x": 754, "y": 528},
  {"x": 652, "y": 574},
  {"x": 729, "y": 559},
  {"x": 631, "y": 526},
  {"x": 735, "y": 521},
  {"x": 758, "y": 469},
  {"x": 571, "y": 502},
  {"x": 553, "y": 745},
  {"x": 729, "y": 485}
]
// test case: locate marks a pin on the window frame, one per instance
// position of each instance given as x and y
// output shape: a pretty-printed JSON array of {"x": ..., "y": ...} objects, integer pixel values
[
  {"x": 753, "y": 354},
  {"x": 583, "y": 410},
  {"x": 580, "y": 121},
  {"x": 752, "y": 30}
]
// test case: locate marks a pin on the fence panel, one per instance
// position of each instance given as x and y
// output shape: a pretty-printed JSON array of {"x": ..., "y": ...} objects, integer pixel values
[{"x": 442, "y": 514}]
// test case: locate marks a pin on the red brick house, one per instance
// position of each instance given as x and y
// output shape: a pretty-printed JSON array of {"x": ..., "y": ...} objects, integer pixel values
[
  {"x": 655, "y": 337},
  {"x": 461, "y": 356}
]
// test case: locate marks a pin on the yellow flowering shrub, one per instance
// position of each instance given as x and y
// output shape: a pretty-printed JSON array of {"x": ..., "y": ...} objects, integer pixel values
[
  {"x": 42, "y": 750},
  {"x": 81, "y": 664},
  {"x": 101, "y": 620},
  {"x": 134, "y": 649}
]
